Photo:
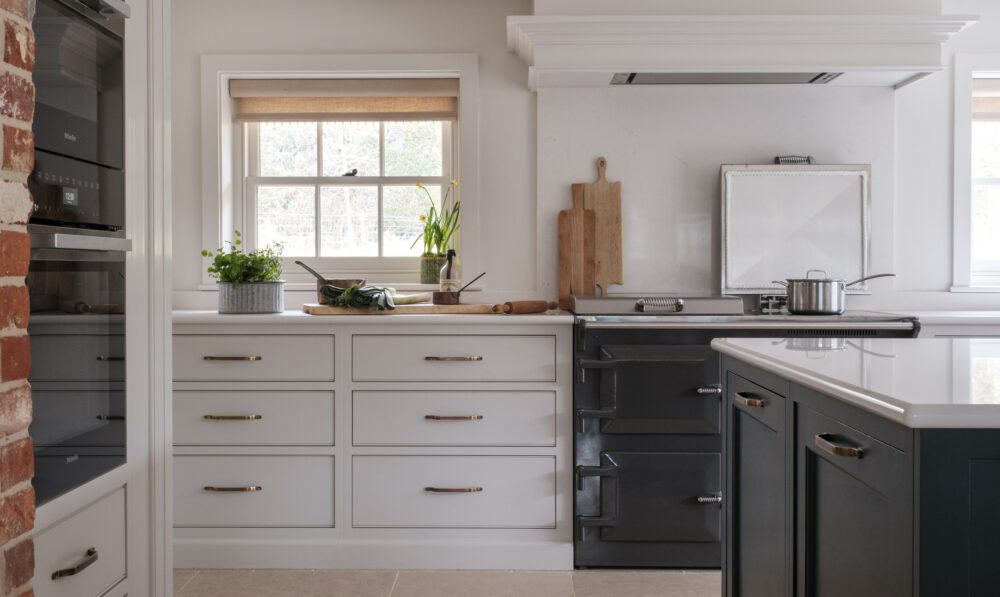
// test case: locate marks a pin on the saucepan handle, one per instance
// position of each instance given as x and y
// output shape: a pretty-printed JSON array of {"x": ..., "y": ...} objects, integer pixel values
[
  {"x": 782, "y": 282},
  {"x": 822, "y": 271},
  {"x": 869, "y": 278}
]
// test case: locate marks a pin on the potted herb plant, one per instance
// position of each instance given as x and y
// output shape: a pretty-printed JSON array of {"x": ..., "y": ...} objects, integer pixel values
[
  {"x": 439, "y": 231},
  {"x": 248, "y": 282}
]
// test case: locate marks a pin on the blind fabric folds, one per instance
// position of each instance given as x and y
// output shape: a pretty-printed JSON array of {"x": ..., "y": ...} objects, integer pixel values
[{"x": 265, "y": 100}]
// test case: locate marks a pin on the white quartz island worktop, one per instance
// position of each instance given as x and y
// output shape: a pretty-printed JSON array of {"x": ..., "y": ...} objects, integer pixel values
[
  {"x": 300, "y": 318},
  {"x": 918, "y": 382}
]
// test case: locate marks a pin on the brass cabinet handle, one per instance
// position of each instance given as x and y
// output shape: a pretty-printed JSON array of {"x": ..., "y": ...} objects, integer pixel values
[
  {"x": 454, "y": 417},
  {"x": 87, "y": 561},
  {"x": 746, "y": 400},
  {"x": 248, "y": 489},
  {"x": 244, "y": 358},
  {"x": 824, "y": 441},
  {"x": 709, "y": 390},
  {"x": 110, "y": 417},
  {"x": 105, "y": 357},
  {"x": 453, "y": 358},
  {"x": 233, "y": 417},
  {"x": 709, "y": 499},
  {"x": 453, "y": 489}
]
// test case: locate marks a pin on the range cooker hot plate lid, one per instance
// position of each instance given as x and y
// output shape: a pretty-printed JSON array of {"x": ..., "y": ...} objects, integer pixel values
[{"x": 673, "y": 304}]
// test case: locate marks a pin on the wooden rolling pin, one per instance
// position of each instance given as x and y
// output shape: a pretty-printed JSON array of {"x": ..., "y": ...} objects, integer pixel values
[{"x": 517, "y": 307}]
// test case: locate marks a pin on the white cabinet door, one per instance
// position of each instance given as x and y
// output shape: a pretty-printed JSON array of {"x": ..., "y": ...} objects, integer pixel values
[
  {"x": 455, "y": 491},
  {"x": 455, "y": 418},
  {"x": 95, "y": 534}
]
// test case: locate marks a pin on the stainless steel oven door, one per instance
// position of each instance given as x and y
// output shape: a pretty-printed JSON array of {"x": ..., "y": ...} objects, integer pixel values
[{"x": 77, "y": 334}]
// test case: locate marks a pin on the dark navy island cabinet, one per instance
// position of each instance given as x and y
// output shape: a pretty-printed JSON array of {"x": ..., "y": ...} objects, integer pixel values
[{"x": 826, "y": 499}]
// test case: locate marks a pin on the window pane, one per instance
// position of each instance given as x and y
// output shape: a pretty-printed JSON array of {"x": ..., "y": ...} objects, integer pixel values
[
  {"x": 986, "y": 149},
  {"x": 349, "y": 221},
  {"x": 402, "y": 207},
  {"x": 350, "y": 145},
  {"x": 413, "y": 148},
  {"x": 288, "y": 149},
  {"x": 986, "y": 222},
  {"x": 286, "y": 215}
]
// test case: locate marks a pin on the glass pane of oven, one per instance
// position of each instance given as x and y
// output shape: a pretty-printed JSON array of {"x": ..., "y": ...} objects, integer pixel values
[{"x": 76, "y": 329}]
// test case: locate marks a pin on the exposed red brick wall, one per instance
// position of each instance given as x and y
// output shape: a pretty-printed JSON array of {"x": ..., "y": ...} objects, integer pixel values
[{"x": 17, "y": 106}]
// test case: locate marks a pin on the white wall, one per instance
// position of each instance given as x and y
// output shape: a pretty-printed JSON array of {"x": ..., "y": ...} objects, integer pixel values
[
  {"x": 713, "y": 7},
  {"x": 665, "y": 144},
  {"x": 507, "y": 108}
]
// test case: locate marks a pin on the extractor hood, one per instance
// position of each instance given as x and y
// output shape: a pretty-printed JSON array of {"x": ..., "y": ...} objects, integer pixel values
[{"x": 594, "y": 51}]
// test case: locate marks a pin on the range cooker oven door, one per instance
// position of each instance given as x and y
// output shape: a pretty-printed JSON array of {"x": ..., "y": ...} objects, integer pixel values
[
  {"x": 77, "y": 333},
  {"x": 648, "y": 454}
]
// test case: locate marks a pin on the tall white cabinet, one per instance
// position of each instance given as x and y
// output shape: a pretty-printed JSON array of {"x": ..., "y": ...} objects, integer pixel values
[{"x": 393, "y": 441}]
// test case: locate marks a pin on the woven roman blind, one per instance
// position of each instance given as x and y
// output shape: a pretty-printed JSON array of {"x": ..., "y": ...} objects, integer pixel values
[
  {"x": 266, "y": 100},
  {"x": 985, "y": 99}
]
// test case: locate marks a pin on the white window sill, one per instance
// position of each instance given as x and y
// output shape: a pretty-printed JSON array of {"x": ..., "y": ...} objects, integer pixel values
[{"x": 974, "y": 289}]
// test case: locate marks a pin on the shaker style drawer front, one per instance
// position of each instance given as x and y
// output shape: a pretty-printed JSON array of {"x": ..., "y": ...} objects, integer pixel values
[
  {"x": 758, "y": 402},
  {"x": 85, "y": 552},
  {"x": 455, "y": 491},
  {"x": 253, "y": 491},
  {"x": 253, "y": 358},
  {"x": 254, "y": 418},
  {"x": 77, "y": 357},
  {"x": 454, "y": 358},
  {"x": 454, "y": 418}
]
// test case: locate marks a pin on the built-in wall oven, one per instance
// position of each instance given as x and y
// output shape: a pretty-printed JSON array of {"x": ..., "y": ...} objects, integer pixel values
[
  {"x": 76, "y": 277},
  {"x": 649, "y": 419}
]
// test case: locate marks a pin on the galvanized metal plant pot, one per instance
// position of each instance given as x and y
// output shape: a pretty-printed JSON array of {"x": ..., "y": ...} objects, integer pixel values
[{"x": 252, "y": 297}]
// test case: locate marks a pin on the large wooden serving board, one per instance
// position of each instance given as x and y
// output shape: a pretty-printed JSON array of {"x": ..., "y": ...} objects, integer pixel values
[
  {"x": 577, "y": 228},
  {"x": 605, "y": 199},
  {"x": 317, "y": 309}
]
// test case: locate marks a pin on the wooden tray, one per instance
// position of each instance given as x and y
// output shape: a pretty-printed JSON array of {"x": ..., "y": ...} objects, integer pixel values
[{"x": 316, "y": 309}]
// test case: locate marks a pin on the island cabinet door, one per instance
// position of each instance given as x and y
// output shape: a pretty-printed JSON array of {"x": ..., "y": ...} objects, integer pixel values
[
  {"x": 855, "y": 511},
  {"x": 757, "y": 559}
]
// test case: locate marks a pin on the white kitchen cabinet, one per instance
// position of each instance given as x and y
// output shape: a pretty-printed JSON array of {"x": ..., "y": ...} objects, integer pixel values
[
  {"x": 84, "y": 552},
  {"x": 356, "y": 439}
]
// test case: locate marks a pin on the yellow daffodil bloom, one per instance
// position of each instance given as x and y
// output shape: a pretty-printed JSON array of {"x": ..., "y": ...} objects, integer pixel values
[
  {"x": 418, "y": 185},
  {"x": 454, "y": 181},
  {"x": 423, "y": 218}
]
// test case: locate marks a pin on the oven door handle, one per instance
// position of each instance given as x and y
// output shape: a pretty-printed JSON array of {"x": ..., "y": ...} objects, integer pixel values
[
  {"x": 582, "y": 414},
  {"x": 607, "y": 520},
  {"x": 583, "y": 364}
]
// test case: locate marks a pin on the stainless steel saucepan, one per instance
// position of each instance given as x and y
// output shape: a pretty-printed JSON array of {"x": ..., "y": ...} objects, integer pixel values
[{"x": 818, "y": 296}]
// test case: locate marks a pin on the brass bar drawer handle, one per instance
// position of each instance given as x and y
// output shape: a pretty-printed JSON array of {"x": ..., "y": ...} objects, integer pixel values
[
  {"x": 105, "y": 357},
  {"x": 453, "y": 358},
  {"x": 710, "y": 499},
  {"x": 709, "y": 390},
  {"x": 233, "y": 417},
  {"x": 454, "y": 417},
  {"x": 746, "y": 400},
  {"x": 87, "y": 561},
  {"x": 249, "y": 489},
  {"x": 110, "y": 417},
  {"x": 453, "y": 489},
  {"x": 244, "y": 358},
  {"x": 824, "y": 441}
]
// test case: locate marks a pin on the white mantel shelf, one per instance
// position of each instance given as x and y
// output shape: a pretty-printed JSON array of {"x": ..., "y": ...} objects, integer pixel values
[{"x": 881, "y": 50}]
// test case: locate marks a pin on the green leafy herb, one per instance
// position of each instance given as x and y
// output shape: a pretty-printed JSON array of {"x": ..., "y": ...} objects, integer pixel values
[
  {"x": 235, "y": 266},
  {"x": 359, "y": 296}
]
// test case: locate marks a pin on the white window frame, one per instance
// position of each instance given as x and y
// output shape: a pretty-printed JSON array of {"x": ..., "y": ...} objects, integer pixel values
[
  {"x": 394, "y": 269},
  {"x": 967, "y": 277},
  {"x": 223, "y": 144}
]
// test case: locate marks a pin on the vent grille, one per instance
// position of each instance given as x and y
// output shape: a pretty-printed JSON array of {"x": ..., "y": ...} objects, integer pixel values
[{"x": 831, "y": 333}]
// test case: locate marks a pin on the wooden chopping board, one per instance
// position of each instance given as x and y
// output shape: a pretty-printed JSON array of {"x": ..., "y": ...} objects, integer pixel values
[
  {"x": 577, "y": 265},
  {"x": 605, "y": 199},
  {"x": 317, "y": 309}
]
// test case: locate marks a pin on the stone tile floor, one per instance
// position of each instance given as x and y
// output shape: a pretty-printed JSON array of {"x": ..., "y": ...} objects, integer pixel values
[{"x": 445, "y": 583}]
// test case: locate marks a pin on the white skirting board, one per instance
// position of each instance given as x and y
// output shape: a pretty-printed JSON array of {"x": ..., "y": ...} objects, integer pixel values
[{"x": 373, "y": 555}]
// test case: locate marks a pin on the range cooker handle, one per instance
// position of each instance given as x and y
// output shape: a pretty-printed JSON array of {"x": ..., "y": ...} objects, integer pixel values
[
  {"x": 582, "y": 414},
  {"x": 582, "y": 522},
  {"x": 583, "y": 364}
]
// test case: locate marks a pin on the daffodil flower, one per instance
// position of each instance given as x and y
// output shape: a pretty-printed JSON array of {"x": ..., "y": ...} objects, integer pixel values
[{"x": 439, "y": 226}]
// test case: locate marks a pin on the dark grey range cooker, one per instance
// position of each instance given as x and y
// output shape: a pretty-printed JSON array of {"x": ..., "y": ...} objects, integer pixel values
[{"x": 649, "y": 419}]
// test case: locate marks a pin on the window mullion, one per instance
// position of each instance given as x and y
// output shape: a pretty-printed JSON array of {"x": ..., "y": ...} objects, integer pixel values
[
  {"x": 381, "y": 172},
  {"x": 317, "y": 237}
]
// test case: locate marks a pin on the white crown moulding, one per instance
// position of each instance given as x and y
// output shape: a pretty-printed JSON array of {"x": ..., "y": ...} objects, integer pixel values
[{"x": 585, "y": 50}]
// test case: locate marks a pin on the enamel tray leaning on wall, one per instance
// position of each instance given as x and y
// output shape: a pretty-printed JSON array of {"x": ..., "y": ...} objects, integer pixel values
[{"x": 779, "y": 221}]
